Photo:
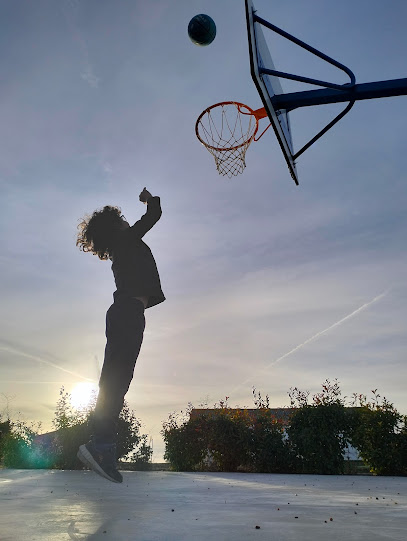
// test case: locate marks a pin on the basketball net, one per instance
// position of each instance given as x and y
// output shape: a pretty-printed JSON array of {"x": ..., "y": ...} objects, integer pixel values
[{"x": 227, "y": 129}]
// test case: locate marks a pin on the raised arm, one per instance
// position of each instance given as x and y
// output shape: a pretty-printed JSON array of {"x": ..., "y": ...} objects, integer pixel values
[{"x": 150, "y": 218}]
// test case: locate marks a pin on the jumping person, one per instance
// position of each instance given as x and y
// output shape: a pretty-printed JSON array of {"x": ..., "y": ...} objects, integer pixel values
[{"x": 109, "y": 236}]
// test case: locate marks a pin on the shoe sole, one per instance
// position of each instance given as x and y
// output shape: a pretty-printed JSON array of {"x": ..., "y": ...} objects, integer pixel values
[{"x": 86, "y": 458}]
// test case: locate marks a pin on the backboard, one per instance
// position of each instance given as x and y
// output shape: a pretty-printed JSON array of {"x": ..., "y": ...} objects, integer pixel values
[{"x": 268, "y": 86}]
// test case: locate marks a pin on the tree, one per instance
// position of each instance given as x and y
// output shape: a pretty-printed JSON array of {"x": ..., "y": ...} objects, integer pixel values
[{"x": 319, "y": 432}]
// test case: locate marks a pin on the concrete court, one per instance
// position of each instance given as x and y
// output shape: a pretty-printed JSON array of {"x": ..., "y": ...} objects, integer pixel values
[{"x": 167, "y": 506}]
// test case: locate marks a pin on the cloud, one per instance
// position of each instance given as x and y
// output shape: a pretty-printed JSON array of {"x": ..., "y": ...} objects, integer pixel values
[
  {"x": 89, "y": 76},
  {"x": 107, "y": 168},
  {"x": 17, "y": 350}
]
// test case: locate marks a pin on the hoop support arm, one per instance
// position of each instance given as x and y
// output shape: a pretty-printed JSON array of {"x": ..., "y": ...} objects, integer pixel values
[
  {"x": 363, "y": 91},
  {"x": 324, "y": 130},
  {"x": 302, "y": 79},
  {"x": 258, "y": 115},
  {"x": 305, "y": 46}
]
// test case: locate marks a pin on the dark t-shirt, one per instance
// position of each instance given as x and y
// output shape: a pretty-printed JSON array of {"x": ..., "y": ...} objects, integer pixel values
[{"x": 134, "y": 268}]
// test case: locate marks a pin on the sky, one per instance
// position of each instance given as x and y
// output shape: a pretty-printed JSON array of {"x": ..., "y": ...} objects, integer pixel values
[{"x": 268, "y": 284}]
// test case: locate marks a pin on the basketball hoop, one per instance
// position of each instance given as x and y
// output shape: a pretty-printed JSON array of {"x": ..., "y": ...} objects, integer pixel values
[{"x": 227, "y": 129}]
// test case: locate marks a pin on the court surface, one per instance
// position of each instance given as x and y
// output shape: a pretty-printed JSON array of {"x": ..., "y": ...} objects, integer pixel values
[{"x": 148, "y": 506}]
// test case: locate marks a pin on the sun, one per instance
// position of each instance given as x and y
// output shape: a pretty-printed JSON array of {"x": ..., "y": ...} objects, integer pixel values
[{"x": 83, "y": 394}]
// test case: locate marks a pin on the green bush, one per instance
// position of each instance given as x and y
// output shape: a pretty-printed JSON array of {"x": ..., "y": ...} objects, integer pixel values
[
  {"x": 318, "y": 435},
  {"x": 379, "y": 433},
  {"x": 271, "y": 451},
  {"x": 131, "y": 445},
  {"x": 16, "y": 447},
  {"x": 226, "y": 439},
  {"x": 5, "y": 429},
  {"x": 319, "y": 432},
  {"x": 22, "y": 447},
  {"x": 75, "y": 428},
  {"x": 214, "y": 440},
  {"x": 313, "y": 439},
  {"x": 15, "y": 452},
  {"x": 72, "y": 428},
  {"x": 185, "y": 441},
  {"x": 402, "y": 447}
]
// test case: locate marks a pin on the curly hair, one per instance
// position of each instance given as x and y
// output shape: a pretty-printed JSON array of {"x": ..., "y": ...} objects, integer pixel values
[{"x": 96, "y": 232}]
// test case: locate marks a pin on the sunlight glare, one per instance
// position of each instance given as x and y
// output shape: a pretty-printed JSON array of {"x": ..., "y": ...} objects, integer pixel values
[{"x": 82, "y": 394}]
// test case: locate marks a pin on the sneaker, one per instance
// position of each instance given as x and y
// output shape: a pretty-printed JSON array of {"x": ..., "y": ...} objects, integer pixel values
[{"x": 101, "y": 458}]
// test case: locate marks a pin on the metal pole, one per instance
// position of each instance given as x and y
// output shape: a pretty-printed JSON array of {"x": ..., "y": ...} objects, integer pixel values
[
  {"x": 364, "y": 91},
  {"x": 304, "y": 45}
]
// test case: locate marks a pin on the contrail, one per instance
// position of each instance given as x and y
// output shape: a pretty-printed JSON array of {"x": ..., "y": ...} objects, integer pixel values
[
  {"x": 71, "y": 15},
  {"x": 317, "y": 335},
  {"x": 41, "y": 360}
]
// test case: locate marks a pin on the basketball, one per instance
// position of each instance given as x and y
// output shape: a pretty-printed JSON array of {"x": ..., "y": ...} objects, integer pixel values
[{"x": 201, "y": 30}]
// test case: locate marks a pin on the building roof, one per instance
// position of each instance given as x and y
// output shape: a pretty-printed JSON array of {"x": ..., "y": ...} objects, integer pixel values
[{"x": 282, "y": 414}]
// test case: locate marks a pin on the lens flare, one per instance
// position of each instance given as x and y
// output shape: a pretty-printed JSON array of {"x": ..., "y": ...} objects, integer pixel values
[{"x": 83, "y": 394}]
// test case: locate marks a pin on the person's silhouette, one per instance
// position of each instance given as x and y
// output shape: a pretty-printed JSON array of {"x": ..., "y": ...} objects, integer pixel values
[{"x": 109, "y": 236}]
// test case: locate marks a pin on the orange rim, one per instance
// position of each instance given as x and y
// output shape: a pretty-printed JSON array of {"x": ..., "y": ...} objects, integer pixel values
[{"x": 256, "y": 114}]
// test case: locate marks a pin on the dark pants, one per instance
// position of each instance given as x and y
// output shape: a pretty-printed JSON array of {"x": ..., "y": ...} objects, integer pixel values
[{"x": 125, "y": 325}]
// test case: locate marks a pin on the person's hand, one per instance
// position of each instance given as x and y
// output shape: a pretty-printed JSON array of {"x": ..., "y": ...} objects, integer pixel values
[{"x": 145, "y": 196}]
